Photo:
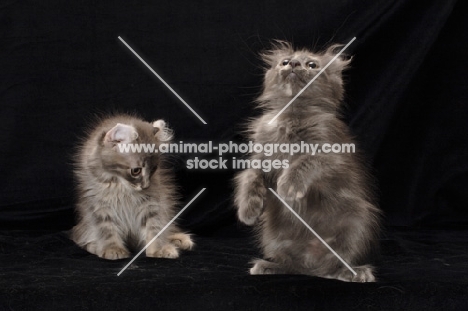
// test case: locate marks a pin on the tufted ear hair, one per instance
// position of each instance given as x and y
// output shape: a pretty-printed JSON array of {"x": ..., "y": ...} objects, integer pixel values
[
  {"x": 121, "y": 133},
  {"x": 279, "y": 49},
  {"x": 161, "y": 131}
]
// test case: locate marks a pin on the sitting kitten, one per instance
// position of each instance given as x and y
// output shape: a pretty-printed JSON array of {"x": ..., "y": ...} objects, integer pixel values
[
  {"x": 125, "y": 199},
  {"x": 329, "y": 191}
]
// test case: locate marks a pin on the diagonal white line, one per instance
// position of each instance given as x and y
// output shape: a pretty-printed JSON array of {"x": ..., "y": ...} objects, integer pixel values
[
  {"x": 160, "y": 232},
  {"x": 315, "y": 233},
  {"x": 311, "y": 81},
  {"x": 164, "y": 82}
]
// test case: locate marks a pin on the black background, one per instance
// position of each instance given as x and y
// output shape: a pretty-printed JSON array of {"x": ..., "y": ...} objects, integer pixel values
[{"x": 61, "y": 63}]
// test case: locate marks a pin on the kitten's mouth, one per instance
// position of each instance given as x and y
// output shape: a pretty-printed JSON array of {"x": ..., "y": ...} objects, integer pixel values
[{"x": 293, "y": 76}]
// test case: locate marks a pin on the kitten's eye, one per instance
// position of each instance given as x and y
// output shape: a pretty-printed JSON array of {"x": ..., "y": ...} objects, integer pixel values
[
  {"x": 312, "y": 65},
  {"x": 285, "y": 62},
  {"x": 135, "y": 172}
]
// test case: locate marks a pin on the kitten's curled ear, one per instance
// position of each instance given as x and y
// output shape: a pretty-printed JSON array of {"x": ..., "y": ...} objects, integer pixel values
[
  {"x": 161, "y": 131},
  {"x": 121, "y": 133},
  {"x": 341, "y": 63},
  {"x": 279, "y": 49}
]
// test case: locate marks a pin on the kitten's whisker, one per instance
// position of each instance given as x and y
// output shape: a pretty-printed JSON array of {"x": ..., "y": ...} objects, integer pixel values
[
  {"x": 312, "y": 230},
  {"x": 161, "y": 79},
  {"x": 311, "y": 81},
  {"x": 160, "y": 232}
]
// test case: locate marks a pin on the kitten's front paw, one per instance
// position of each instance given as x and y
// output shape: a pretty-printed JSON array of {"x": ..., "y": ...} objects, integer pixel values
[
  {"x": 92, "y": 248},
  {"x": 167, "y": 251},
  {"x": 250, "y": 210},
  {"x": 114, "y": 253},
  {"x": 182, "y": 240},
  {"x": 289, "y": 189}
]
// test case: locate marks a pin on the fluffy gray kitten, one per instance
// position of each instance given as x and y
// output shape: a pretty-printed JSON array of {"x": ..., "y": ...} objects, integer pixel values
[
  {"x": 331, "y": 192},
  {"x": 125, "y": 199}
]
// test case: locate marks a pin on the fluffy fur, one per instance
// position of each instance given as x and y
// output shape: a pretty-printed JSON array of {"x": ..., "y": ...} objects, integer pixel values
[
  {"x": 331, "y": 192},
  {"x": 125, "y": 199}
]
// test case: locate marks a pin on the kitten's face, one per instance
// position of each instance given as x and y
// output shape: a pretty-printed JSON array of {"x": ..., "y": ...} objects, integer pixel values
[
  {"x": 289, "y": 71},
  {"x": 136, "y": 168},
  {"x": 296, "y": 70}
]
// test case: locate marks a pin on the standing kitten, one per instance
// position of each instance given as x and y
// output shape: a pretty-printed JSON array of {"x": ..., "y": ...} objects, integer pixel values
[
  {"x": 329, "y": 191},
  {"x": 125, "y": 199}
]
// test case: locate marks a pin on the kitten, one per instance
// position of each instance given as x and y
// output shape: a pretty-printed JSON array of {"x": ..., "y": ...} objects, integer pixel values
[
  {"x": 125, "y": 199},
  {"x": 331, "y": 192}
]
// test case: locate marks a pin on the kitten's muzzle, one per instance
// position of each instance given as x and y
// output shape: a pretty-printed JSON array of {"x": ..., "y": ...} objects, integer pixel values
[
  {"x": 296, "y": 75},
  {"x": 144, "y": 184}
]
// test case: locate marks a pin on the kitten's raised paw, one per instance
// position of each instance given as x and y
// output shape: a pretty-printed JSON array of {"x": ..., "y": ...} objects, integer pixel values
[
  {"x": 167, "y": 251},
  {"x": 249, "y": 197},
  {"x": 182, "y": 240},
  {"x": 363, "y": 274},
  {"x": 114, "y": 253},
  {"x": 249, "y": 212},
  {"x": 290, "y": 190}
]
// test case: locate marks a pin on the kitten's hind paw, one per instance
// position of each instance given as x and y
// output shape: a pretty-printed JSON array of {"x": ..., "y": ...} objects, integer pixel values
[
  {"x": 363, "y": 274},
  {"x": 167, "y": 251},
  {"x": 114, "y": 253},
  {"x": 182, "y": 241}
]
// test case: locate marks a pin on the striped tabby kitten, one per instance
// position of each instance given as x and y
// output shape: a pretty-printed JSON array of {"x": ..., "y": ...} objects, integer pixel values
[
  {"x": 330, "y": 191},
  {"x": 125, "y": 199}
]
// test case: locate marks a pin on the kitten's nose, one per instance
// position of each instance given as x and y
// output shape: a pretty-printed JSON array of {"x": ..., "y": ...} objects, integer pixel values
[{"x": 294, "y": 63}]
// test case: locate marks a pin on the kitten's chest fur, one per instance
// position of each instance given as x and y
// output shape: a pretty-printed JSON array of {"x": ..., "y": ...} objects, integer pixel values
[
  {"x": 285, "y": 130},
  {"x": 118, "y": 195},
  {"x": 126, "y": 205},
  {"x": 279, "y": 132}
]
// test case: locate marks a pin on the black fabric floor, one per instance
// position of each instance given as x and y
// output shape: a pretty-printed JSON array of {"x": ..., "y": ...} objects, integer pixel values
[{"x": 418, "y": 270}]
